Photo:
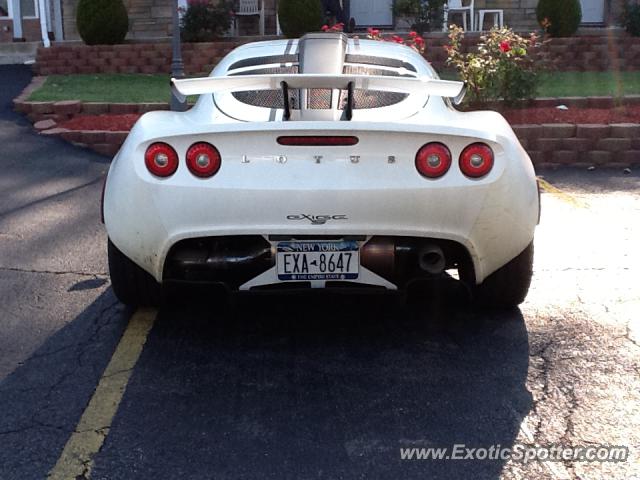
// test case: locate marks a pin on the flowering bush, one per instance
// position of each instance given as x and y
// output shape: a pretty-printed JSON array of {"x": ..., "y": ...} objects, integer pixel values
[
  {"x": 414, "y": 40},
  {"x": 338, "y": 27},
  {"x": 501, "y": 68},
  {"x": 206, "y": 20}
]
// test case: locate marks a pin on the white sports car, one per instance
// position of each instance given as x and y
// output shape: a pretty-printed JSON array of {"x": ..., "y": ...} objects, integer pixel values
[{"x": 323, "y": 162}]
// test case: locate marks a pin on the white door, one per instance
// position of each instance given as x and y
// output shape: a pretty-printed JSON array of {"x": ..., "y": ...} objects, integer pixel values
[
  {"x": 372, "y": 12},
  {"x": 592, "y": 11}
]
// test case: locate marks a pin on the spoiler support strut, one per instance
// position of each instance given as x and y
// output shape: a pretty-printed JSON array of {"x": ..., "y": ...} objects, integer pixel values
[
  {"x": 285, "y": 96},
  {"x": 348, "y": 109}
]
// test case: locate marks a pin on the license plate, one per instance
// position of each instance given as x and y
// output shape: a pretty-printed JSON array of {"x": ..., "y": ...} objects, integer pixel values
[{"x": 318, "y": 261}]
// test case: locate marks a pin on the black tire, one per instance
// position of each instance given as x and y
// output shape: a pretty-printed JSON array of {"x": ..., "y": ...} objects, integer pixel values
[
  {"x": 507, "y": 287},
  {"x": 131, "y": 284}
]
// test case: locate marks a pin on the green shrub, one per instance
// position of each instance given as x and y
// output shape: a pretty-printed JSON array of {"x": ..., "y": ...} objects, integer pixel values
[
  {"x": 298, "y": 17},
  {"x": 559, "y": 18},
  {"x": 102, "y": 22},
  {"x": 205, "y": 20},
  {"x": 631, "y": 18},
  {"x": 424, "y": 16}
]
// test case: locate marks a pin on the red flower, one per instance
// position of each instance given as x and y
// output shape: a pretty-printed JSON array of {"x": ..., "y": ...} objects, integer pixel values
[
  {"x": 374, "y": 32},
  {"x": 505, "y": 47},
  {"x": 419, "y": 40},
  {"x": 325, "y": 28},
  {"x": 397, "y": 39},
  {"x": 413, "y": 34}
]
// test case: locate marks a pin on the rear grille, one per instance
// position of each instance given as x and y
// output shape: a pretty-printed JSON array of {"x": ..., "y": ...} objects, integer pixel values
[
  {"x": 319, "y": 98},
  {"x": 267, "y": 98},
  {"x": 372, "y": 98}
]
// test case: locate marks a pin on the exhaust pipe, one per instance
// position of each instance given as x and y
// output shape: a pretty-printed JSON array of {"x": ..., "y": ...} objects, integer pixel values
[{"x": 431, "y": 259}]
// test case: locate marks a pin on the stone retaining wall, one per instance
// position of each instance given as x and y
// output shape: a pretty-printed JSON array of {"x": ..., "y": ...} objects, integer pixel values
[
  {"x": 199, "y": 58},
  {"x": 552, "y": 145},
  {"x": 588, "y": 52}
]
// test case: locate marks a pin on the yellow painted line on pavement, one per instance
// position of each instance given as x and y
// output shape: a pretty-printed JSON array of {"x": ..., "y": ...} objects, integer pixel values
[
  {"x": 76, "y": 460},
  {"x": 561, "y": 194}
]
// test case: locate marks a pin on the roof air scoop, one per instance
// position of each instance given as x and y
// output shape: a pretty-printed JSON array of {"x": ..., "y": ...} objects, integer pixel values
[{"x": 322, "y": 53}]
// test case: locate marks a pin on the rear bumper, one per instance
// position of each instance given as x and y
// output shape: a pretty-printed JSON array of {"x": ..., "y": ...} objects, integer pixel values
[
  {"x": 492, "y": 220},
  {"x": 250, "y": 262}
]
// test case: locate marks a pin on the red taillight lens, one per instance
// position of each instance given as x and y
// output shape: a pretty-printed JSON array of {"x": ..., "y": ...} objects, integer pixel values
[
  {"x": 203, "y": 159},
  {"x": 476, "y": 160},
  {"x": 161, "y": 159},
  {"x": 318, "y": 141},
  {"x": 433, "y": 160}
]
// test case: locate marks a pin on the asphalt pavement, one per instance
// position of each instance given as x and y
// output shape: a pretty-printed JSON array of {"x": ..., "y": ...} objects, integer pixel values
[
  {"x": 59, "y": 321},
  {"x": 313, "y": 386}
]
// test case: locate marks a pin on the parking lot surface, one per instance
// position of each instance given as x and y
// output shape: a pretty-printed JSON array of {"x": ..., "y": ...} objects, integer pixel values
[{"x": 310, "y": 386}]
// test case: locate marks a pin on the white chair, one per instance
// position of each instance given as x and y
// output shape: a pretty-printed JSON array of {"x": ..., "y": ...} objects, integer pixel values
[
  {"x": 247, "y": 8},
  {"x": 456, "y": 6},
  {"x": 498, "y": 18}
]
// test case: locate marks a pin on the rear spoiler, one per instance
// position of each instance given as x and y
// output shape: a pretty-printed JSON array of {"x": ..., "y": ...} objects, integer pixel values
[{"x": 204, "y": 85}]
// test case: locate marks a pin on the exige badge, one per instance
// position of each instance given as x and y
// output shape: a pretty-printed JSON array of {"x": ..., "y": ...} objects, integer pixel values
[{"x": 317, "y": 219}]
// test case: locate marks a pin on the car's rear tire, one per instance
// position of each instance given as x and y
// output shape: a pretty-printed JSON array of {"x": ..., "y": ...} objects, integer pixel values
[
  {"x": 131, "y": 284},
  {"x": 507, "y": 287}
]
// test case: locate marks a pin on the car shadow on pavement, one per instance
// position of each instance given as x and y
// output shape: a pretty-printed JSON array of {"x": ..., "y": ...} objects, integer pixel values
[{"x": 320, "y": 386}]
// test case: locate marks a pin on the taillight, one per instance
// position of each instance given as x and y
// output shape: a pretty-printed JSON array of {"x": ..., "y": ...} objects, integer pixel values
[
  {"x": 318, "y": 141},
  {"x": 161, "y": 159},
  {"x": 203, "y": 159},
  {"x": 476, "y": 160},
  {"x": 433, "y": 160}
]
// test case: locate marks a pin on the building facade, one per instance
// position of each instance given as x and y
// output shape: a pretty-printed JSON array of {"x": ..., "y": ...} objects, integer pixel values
[
  {"x": 150, "y": 19},
  {"x": 518, "y": 14},
  {"x": 30, "y": 20}
]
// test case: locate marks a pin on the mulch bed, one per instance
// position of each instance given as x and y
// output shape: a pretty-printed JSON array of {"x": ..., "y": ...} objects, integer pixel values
[
  {"x": 521, "y": 116},
  {"x": 111, "y": 123}
]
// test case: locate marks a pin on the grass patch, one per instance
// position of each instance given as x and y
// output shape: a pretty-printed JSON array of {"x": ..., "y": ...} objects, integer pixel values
[
  {"x": 111, "y": 88},
  {"x": 138, "y": 88},
  {"x": 581, "y": 84},
  {"x": 589, "y": 84}
]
